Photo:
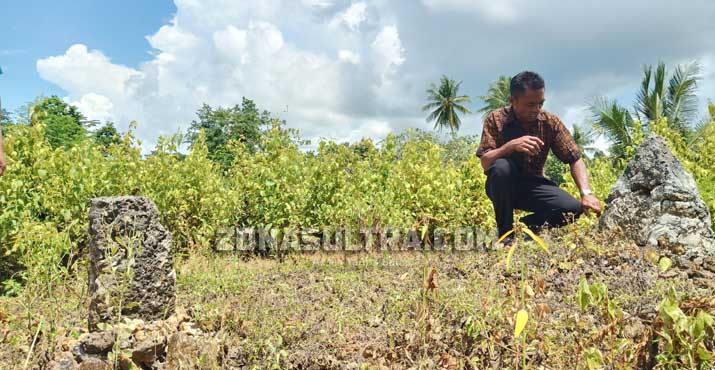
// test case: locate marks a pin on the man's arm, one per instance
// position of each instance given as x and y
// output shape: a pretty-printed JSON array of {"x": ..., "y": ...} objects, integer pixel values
[
  {"x": 580, "y": 176},
  {"x": 489, "y": 157},
  {"x": 526, "y": 144}
]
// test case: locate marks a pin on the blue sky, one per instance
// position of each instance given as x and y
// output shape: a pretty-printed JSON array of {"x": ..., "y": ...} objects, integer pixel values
[
  {"x": 337, "y": 69},
  {"x": 34, "y": 29}
]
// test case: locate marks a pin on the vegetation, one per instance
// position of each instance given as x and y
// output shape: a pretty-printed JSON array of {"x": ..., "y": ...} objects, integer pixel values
[
  {"x": 674, "y": 102},
  {"x": 242, "y": 123},
  {"x": 497, "y": 96},
  {"x": 445, "y": 104},
  {"x": 592, "y": 300}
]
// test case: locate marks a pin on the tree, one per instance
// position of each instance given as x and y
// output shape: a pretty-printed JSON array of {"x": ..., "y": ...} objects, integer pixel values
[
  {"x": 445, "y": 104},
  {"x": 241, "y": 123},
  {"x": 5, "y": 117},
  {"x": 22, "y": 113},
  {"x": 584, "y": 138},
  {"x": 106, "y": 135},
  {"x": 614, "y": 122},
  {"x": 64, "y": 123},
  {"x": 497, "y": 95},
  {"x": 675, "y": 100}
]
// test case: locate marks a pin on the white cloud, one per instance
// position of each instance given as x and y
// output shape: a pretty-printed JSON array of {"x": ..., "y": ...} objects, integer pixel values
[
  {"x": 85, "y": 71},
  {"x": 172, "y": 39},
  {"x": 232, "y": 42},
  {"x": 343, "y": 69},
  {"x": 352, "y": 17},
  {"x": 388, "y": 52},
  {"x": 499, "y": 11},
  {"x": 349, "y": 57},
  {"x": 575, "y": 115},
  {"x": 94, "y": 107},
  {"x": 318, "y": 3}
]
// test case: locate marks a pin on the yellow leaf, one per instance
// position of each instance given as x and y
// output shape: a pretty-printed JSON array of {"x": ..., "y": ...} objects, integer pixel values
[
  {"x": 521, "y": 318},
  {"x": 510, "y": 255},
  {"x": 536, "y": 239},
  {"x": 528, "y": 290},
  {"x": 505, "y": 235},
  {"x": 664, "y": 264}
]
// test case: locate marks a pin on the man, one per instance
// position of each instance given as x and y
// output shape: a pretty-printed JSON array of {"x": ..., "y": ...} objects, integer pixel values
[{"x": 515, "y": 143}]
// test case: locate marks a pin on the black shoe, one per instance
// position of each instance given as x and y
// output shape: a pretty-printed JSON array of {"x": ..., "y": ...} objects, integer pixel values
[{"x": 505, "y": 243}]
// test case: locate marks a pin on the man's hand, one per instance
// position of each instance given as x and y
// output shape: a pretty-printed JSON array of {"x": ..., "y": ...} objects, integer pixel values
[
  {"x": 2, "y": 163},
  {"x": 526, "y": 144},
  {"x": 590, "y": 202}
]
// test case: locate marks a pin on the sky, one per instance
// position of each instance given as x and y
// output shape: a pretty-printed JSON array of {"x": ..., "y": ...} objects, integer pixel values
[{"x": 337, "y": 69}]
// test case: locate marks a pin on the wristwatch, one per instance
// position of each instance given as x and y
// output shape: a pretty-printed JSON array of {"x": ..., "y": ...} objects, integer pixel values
[{"x": 585, "y": 192}]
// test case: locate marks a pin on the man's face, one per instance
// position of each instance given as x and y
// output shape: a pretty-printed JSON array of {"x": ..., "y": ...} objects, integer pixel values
[{"x": 527, "y": 105}]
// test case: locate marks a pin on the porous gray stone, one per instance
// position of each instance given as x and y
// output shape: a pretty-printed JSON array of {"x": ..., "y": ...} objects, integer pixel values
[
  {"x": 185, "y": 351},
  {"x": 656, "y": 203},
  {"x": 130, "y": 261},
  {"x": 148, "y": 351},
  {"x": 96, "y": 343},
  {"x": 63, "y": 361}
]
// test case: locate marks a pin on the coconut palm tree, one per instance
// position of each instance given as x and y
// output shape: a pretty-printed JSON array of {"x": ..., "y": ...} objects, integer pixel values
[
  {"x": 656, "y": 99},
  {"x": 614, "y": 122},
  {"x": 497, "y": 95},
  {"x": 675, "y": 101},
  {"x": 445, "y": 104},
  {"x": 584, "y": 138}
]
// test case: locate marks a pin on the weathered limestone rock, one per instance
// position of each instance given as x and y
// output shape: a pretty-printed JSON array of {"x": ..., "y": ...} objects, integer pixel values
[
  {"x": 97, "y": 342},
  {"x": 63, "y": 361},
  {"x": 149, "y": 351},
  {"x": 186, "y": 351},
  {"x": 657, "y": 203},
  {"x": 94, "y": 364},
  {"x": 130, "y": 261}
]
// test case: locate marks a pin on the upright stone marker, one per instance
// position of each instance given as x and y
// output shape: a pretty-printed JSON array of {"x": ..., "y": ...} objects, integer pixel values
[
  {"x": 657, "y": 203},
  {"x": 130, "y": 261}
]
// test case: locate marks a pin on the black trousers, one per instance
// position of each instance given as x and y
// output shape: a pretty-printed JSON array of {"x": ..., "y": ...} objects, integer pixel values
[{"x": 509, "y": 190}]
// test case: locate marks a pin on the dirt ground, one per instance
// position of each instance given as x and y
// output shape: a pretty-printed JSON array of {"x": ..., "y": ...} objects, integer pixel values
[{"x": 417, "y": 310}]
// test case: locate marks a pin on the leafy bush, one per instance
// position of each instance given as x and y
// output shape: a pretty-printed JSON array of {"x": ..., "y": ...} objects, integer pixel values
[{"x": 411, "y": 180}]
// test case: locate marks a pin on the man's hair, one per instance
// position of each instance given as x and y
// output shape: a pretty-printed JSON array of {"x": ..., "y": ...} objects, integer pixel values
[{"x": 524, "y": 80}]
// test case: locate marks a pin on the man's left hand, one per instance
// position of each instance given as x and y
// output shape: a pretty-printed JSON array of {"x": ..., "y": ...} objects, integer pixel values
[{"x": 590, "y": 202}]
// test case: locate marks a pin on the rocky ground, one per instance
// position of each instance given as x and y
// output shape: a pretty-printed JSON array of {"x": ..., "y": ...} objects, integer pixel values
[{"x": 387, "y": 310}]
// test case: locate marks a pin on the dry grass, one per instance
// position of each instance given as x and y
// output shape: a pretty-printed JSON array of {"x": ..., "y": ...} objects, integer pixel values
[{"x": 406, "y": 310}]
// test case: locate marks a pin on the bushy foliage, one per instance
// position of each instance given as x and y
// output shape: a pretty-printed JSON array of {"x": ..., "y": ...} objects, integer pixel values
[
  {"x": 411, "y": 180},
  {"x": 64, "y": 123},
  {"x": 406, "y": 182},
  {"x": 220, "y": 125}
]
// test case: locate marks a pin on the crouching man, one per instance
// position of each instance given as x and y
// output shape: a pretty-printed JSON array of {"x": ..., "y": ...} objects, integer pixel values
[{"x": 515, "y": 143}]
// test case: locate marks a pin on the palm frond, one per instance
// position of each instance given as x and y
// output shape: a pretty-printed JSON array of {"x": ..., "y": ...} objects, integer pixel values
[
  {"x": 614, "y": 122},
  {"x": 682, "y": 101},
  {"x": 445, "y": 103},
  {"x": 497, "y": 96},
  {"x": 643, "y": 103}
]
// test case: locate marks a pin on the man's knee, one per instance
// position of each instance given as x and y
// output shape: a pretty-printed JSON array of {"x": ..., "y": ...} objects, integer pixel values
[
  {"x": 572, "y": 209},
  {"x": 501, "y": 169}
]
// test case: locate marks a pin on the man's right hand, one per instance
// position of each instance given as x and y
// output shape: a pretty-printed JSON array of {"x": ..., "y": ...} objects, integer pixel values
[
  {"x": 526, "y": 144},
  {"x": 2, "y": 164}
]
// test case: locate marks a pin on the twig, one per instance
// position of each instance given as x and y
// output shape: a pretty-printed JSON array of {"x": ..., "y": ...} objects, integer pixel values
[
  {"x": 32, "y": 347},
  {"x": 512, "y": 350}
]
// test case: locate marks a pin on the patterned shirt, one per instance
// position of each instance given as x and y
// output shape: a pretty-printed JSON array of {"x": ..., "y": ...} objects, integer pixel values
[{"x": 501, "y": 126}]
